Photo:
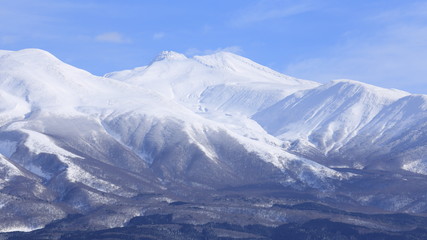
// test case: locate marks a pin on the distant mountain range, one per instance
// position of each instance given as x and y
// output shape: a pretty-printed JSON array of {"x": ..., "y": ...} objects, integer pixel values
[{"x": 220, "y": 133}]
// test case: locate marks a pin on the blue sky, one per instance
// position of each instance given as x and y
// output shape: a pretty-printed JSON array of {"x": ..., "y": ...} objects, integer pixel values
[{"x": 382, "y": 42}]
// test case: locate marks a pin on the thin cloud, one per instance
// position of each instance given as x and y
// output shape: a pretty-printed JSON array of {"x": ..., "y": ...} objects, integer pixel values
[
  {"x": 270, "y": 9},
  {"x": 159, "y": 35},
  {"x": 417, "y": 10},
  {"x": 393, "y": 57},
  {"x": 112, "y": 37},
  {"x": 29, "y": 14}
]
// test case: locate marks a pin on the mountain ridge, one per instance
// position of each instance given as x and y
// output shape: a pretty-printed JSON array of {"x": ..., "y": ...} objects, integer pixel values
[{"x": 182, "y": 127}]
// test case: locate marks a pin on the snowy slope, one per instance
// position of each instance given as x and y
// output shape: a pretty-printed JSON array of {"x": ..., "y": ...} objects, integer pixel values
[
  {"x": 352, "y": 124},
  {"x": 12, "y": 108},
  {"x": 329, "y": 116},
  {"x": 397, "y": 136},
  {"x": 23, "y": 198},
  {"x": 8, "y": 170}
]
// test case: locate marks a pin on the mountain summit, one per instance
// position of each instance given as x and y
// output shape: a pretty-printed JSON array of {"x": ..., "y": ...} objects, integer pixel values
[{"x": 170, "y": 55}]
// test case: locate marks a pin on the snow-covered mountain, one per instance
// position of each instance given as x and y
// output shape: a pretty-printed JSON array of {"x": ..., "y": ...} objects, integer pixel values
[
  {"x": 72, "y": 142},
  {"x": 91, "y": 140},
  {"x": 352, "y": 124}
]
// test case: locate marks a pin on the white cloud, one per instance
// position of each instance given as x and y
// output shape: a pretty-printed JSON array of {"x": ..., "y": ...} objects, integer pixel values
[
  {"x": 159, "y": 35},
  {"x": 195, "y": 51},
  {"x": 270, "y": 9},
  {"x": 112, "y": 37},
  {"x": 393, "y": 56}
]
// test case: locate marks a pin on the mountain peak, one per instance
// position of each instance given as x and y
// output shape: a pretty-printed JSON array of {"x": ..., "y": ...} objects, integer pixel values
[
  {"x": 170, "y": 55},
  {"x": 28, "y": 57},
  {"x": 30, "y": 53},
  {"x": 222, "y": 60},
  {"x": 356, "y": 86},
  {"x": 350, "y": 83}
]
